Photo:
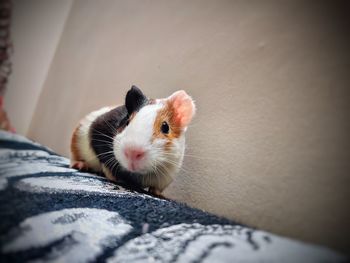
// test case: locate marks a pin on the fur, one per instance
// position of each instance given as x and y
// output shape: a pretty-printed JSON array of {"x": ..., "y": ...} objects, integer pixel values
[
  {"x": 103, "y": 139},
  {"x": 80, "y": 145},
  {"x": 159, "y": 165}
]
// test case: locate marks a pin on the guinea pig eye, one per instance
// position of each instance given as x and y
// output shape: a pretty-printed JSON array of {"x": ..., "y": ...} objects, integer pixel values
[{"x": 164, "y": 128}]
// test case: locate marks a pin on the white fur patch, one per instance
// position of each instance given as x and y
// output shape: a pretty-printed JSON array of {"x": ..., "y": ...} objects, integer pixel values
[
  {"x": 83, "y": 141},
  {"x": 137, "y": 134}
]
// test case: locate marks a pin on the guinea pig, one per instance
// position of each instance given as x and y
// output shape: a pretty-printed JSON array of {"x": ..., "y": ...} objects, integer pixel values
[{"x": 141, "y": 142}]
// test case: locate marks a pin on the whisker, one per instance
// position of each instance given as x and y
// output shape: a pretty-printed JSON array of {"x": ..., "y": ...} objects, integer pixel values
[
  {"x": 115, "y": 165},
  {"x": 109, "y": 152},
  {"x": 103, "y": 134},
  {"x": 96, "y": 157},
  {"x": 193, "y": 156},
  {"x": 109, "y": 161},
  {"x": 162, "y": 170},
  {"x": 109, "y": 125},
  {"x": 177, "y": 165},
  {"x": 102, "y": 145}
]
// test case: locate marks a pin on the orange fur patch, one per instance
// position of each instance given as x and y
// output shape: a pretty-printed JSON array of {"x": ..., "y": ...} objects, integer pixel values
[
  {"x": 166, "y": 114},
  {"x": 74, "y": 147}
]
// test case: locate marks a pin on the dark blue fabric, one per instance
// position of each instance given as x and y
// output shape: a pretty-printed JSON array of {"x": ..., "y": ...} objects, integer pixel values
[{"x": 49, "y": 212}]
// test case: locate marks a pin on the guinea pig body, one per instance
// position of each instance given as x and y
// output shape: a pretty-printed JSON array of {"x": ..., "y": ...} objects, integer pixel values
[{"x": 141, "y": 142}]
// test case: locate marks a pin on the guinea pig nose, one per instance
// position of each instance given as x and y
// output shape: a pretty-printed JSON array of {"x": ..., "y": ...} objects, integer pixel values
[{"x": 134, "y": 154}]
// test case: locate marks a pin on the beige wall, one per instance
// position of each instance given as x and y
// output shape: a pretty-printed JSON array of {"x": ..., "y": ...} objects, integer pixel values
[
  {"x": 271, "y": 82},
  {"x": 35, "y": 31}
]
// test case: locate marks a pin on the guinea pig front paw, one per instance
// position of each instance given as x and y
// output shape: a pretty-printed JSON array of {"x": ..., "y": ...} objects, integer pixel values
[
  {"x": 156, "y": 192},
  {"x": 79, "y": 165}
]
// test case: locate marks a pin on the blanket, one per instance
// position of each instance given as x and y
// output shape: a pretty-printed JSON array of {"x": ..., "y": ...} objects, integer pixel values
[{"x": 52, "y": 213}]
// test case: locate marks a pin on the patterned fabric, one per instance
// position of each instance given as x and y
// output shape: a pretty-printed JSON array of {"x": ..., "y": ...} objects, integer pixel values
[{"x": 51, "y": 213}]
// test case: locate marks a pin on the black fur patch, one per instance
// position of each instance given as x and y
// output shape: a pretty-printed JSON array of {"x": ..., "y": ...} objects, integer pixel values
[
  {"x": 104, "y": 129},
  {"x": 135, "y": 100}
]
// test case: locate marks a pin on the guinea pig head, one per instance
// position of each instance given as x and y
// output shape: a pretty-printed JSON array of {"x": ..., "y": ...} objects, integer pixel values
[{"x": 153, "y": 142}]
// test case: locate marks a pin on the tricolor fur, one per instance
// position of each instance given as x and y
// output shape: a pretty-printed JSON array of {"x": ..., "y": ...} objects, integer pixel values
[{"x": 141, "y": 142}]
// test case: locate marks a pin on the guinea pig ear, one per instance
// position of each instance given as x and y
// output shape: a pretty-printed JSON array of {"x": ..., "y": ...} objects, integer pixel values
[
  {"x": 134, "y": 99},
  {"x": 183, "y": 107}
]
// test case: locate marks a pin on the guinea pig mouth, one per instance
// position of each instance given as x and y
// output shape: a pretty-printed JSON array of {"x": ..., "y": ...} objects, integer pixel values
[
  {"x": 136, "y": 167},
  {"x": 132, "y": 167}
]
